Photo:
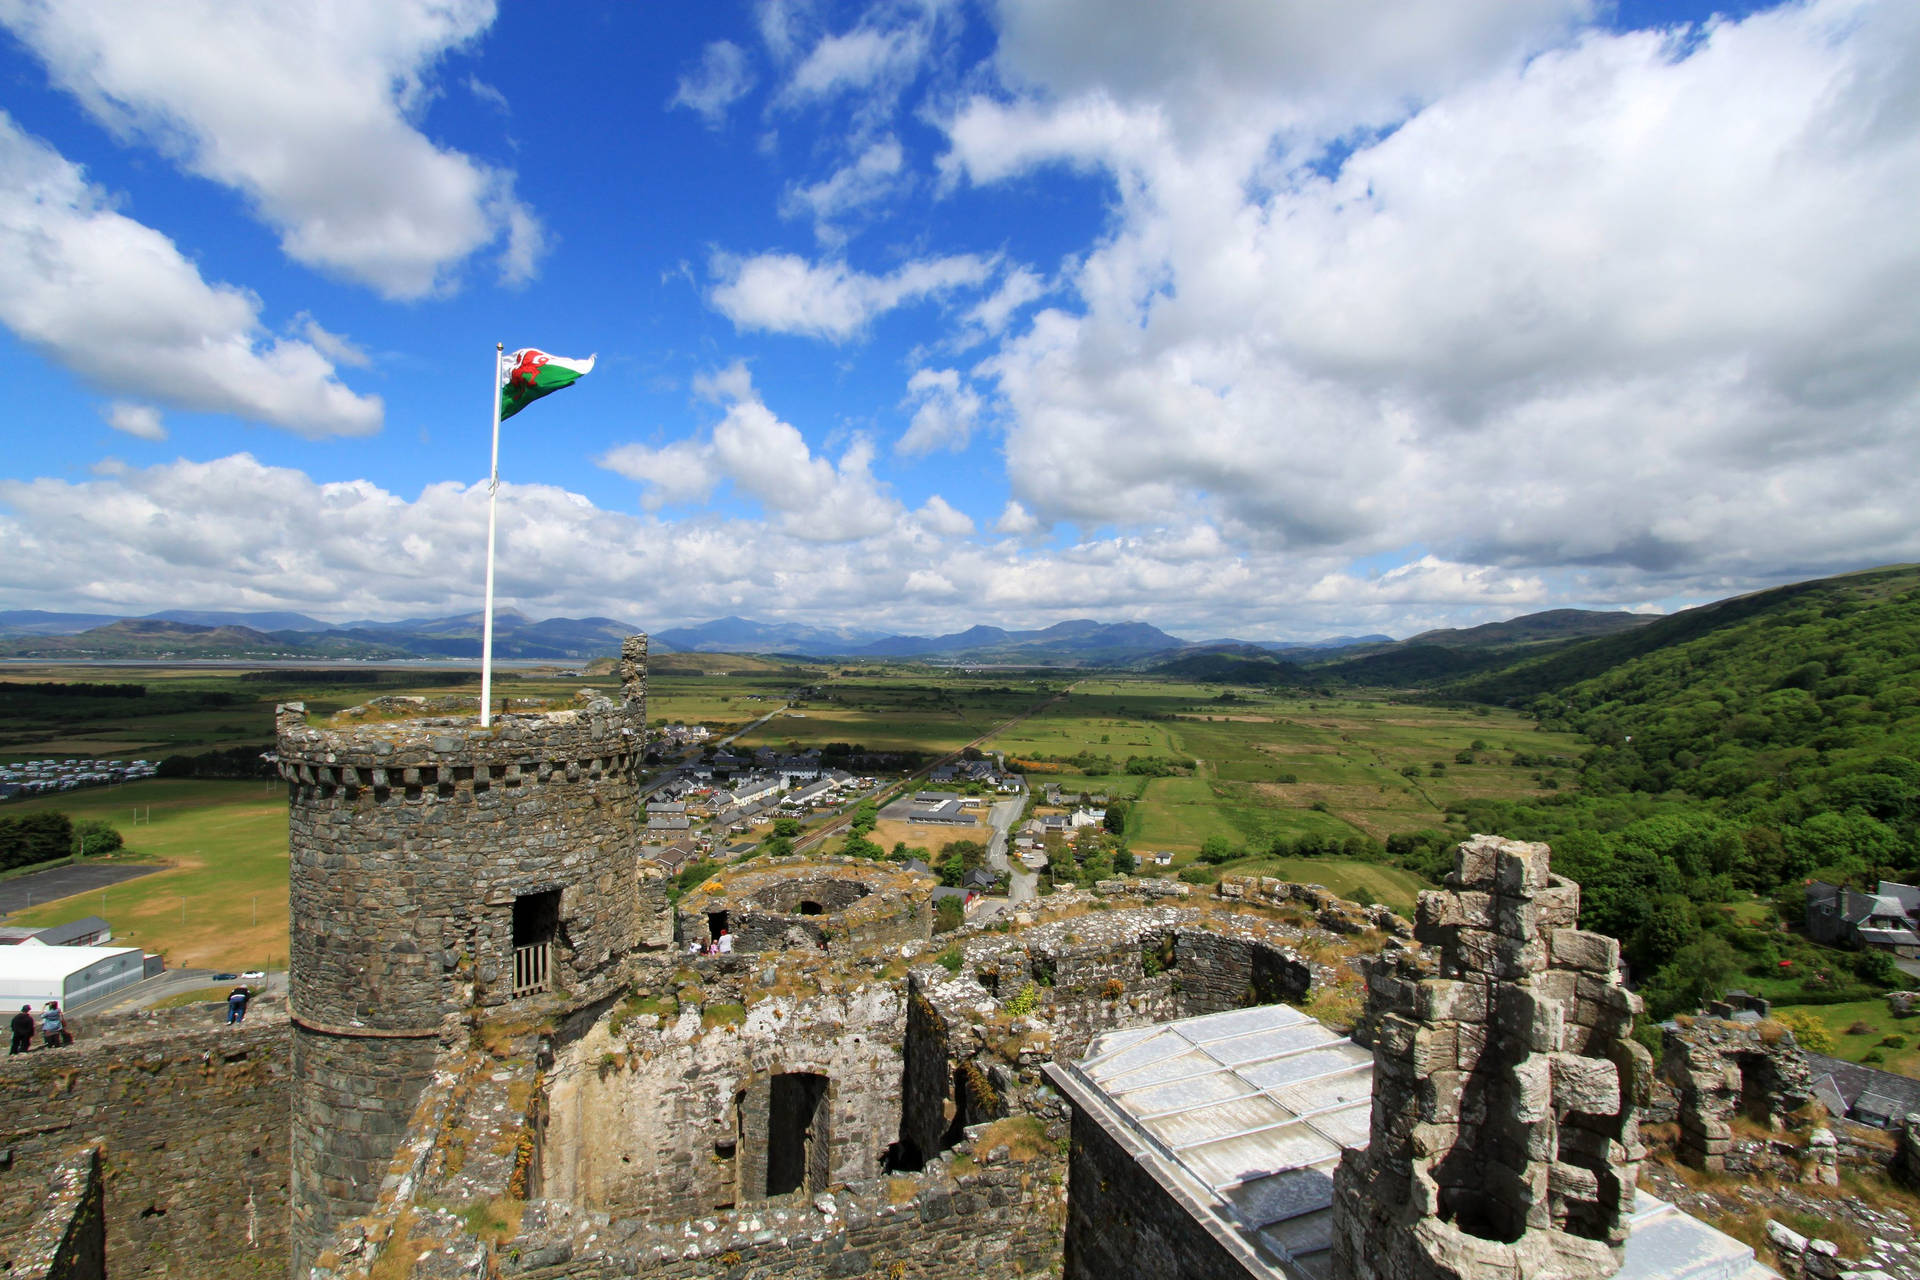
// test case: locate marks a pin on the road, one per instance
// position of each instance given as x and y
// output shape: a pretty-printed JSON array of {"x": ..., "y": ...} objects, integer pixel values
[{"x": 1022, "y": 884}]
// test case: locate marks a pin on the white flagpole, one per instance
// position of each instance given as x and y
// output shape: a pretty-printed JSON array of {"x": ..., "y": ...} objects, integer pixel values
[{"x": 493, "y": 489}]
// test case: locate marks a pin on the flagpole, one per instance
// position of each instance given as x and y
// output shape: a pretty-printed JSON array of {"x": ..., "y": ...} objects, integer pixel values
[{"x": 493, "y": 489}]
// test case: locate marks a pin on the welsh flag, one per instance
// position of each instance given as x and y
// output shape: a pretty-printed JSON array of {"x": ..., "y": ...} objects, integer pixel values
[{"x": 528, "y": 374}]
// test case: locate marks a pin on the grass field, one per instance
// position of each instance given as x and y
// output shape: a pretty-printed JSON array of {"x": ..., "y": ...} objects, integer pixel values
[
  {"x": 221, "y": 904},
  {"x": 1260, "y": 764},
  {"x": 906, "y": 711},
  {"x": 1840, "y": 1019}
]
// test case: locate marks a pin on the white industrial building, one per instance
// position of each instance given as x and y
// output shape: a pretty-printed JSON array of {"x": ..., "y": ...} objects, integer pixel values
[{"x": 71, "y": 975}]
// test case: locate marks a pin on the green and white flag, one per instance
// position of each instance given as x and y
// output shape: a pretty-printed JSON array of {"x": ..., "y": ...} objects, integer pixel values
[{"x": 527, "y": 374}]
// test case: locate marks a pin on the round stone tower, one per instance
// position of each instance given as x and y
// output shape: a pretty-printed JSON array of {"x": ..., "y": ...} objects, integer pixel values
[{"x": 439, "y": 867}]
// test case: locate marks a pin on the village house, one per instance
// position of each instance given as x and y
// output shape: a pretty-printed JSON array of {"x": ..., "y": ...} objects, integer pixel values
[{"x": 1842, "y": 917}]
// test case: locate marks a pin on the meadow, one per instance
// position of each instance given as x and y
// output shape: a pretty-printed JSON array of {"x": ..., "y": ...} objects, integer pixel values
[{"x": 1247, "y": 767}]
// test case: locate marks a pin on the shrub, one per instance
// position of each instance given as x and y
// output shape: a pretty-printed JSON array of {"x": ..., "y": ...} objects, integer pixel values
[
  {"x": 1861, "y": 1029},
  {"x": 951, "y": 959},
  {"x": 1023, "y": 1003},
  {"x": 1893, "y": 1042}
]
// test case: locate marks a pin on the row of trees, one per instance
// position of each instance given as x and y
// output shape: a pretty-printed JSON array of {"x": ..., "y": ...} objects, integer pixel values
[{"x": 30, "y": 838}]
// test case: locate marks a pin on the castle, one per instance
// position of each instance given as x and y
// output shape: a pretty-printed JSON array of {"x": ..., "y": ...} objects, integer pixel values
[{"x": 500, "y": 1057}]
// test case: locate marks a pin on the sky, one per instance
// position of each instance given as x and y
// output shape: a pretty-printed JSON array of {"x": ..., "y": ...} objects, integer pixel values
[{"x": 1268, "y": 319}]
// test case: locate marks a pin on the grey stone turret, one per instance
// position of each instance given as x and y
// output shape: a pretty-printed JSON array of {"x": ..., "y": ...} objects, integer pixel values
[
  {"x": 1505, "y": 1138},
  {"x": 439, "y": 867}
]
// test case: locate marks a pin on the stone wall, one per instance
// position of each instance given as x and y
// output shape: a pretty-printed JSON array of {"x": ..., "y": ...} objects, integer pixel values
[
  {"x": 1001, "y": 1222},
  {"x": 1719, "y": 1069},
  {"x": 1122, "y": 1221},
  {"x": 666, "y": 1121},
  {"x": 844, "y": 905},
  {"x": 67, "y": 1238},
  {"x": 193, "y": 1128},
  {"x": 355, "y": 1097}
]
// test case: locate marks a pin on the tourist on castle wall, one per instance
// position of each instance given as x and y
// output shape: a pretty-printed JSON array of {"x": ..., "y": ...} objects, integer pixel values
[
  {"x": 237, "y": 1005},
  {"x": 22, "y": 1030},
  {"x": 53, "y": 1025}
]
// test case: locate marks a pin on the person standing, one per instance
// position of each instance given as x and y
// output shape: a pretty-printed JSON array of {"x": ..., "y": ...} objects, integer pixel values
[
  {"x": 22, "y": 1030},
  {"x": 237, "y": 1005},
  {"x": 53, "y": 1026}
]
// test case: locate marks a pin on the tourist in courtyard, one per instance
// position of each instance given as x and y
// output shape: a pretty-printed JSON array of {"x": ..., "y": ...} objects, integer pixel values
[{"x": 22, "y": 1030}]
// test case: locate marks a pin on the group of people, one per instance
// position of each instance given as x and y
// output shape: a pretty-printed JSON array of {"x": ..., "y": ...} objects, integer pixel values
[
  {"x": 52, "y": 1026},
  {"x": 720, "y": 946}
]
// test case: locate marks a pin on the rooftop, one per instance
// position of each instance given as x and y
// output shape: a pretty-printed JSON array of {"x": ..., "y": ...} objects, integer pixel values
[{"x": 1243, "y": 1116}]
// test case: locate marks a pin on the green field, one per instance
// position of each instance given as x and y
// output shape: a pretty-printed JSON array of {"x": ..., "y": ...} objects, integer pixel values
[
  {"x": 908, "y": 710},
  {"x": 1879, "y": 1024},
  {"x": 222, "y": 901},
  {"x": 1259, "y": 764}
]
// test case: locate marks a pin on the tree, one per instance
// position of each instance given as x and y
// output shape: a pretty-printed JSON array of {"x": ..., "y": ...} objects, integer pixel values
[
  {"x": 1216, "y": 850},
  {"x": 1124, "y": 862},
  {"x": 1116, "y": 819},
  {"x": 788, "y": 827},
  {"x": 948, "y": 915}
]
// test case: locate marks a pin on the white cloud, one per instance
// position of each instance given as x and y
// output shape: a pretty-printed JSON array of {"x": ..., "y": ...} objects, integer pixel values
[
  {"x": 1016, "y": 521},
  {"x": 941, "y": 517},
  {"x": 1017, "y": 289},
  {"x": 871, "y": 177},
  {"x": 141, "y": 420},
  {"x": 855, "y": 60},
  {"x": 1640, "y": 309},
  {"x": 117, "y": 303},
  {"x": 944, "y": 418},
  {"x": 784, "y": 293},
  {"x": 306, "y": 111},
  {"x": 333, "y": 346},
  {"x": 768, "y": 460},
  {"x": 236, "y": 533},
  {"x": 721, "y": 79}
]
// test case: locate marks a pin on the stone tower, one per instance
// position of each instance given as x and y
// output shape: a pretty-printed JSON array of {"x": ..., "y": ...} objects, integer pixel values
[
  {"x": 439, "y": 867},
  {"x": 1504, "y": 1135}
]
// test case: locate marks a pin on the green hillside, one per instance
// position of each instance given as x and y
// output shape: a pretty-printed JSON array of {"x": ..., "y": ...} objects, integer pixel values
[{"x": 1737, "y": 750}]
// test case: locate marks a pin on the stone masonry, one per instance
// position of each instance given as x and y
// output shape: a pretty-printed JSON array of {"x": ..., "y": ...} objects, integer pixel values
[
  {"x": 1720, "y": 1068},
  {"x": 431, "y": 860},
  {"x": 1504, "y": 1139}
]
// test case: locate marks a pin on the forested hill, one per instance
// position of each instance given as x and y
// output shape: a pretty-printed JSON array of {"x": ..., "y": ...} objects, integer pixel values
[{"x": 1747, "y": 745}]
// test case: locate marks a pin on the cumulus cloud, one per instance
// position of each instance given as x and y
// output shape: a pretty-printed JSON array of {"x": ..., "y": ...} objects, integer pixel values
[
  {"x": 1016, "y": 521},
  {"x": 1641, "y": 307},
  {"x": 941, "y": 517},
  {"x": 118, "y": 304},
  {"x": 785, "y": 293},
  {"x": 945, "y": 414},
  {"x": 721, "y": 79},
  {"x": 141, "y": 420},
  {"x": 308, "y": 112},
  {"x": 768, "y": 460},
  {"x": 237, "y": 533}
]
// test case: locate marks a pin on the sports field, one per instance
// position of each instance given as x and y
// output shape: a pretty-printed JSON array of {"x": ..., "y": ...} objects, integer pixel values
[{"x": 222, "y": 901}]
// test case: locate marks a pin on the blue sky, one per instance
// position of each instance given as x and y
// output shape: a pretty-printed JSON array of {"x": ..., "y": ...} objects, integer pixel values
[{"x": 1257, "y": 319}]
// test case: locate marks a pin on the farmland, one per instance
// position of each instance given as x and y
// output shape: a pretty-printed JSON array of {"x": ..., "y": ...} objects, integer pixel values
[
  {"x": 1248, "y": 767},
  {"x": 1243, "y": 767}
]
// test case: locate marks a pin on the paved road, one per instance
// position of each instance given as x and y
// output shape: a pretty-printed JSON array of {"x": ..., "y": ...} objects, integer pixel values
[
  {"x": 22, "y": 892},
  {"x": 1022, "y": 884}
]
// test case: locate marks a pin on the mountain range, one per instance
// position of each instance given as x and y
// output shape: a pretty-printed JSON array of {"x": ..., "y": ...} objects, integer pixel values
[{"x": 205, "y": 634}]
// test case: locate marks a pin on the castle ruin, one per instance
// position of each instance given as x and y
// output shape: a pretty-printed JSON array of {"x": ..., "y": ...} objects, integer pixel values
[{"x": 508, "y": 1052}]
